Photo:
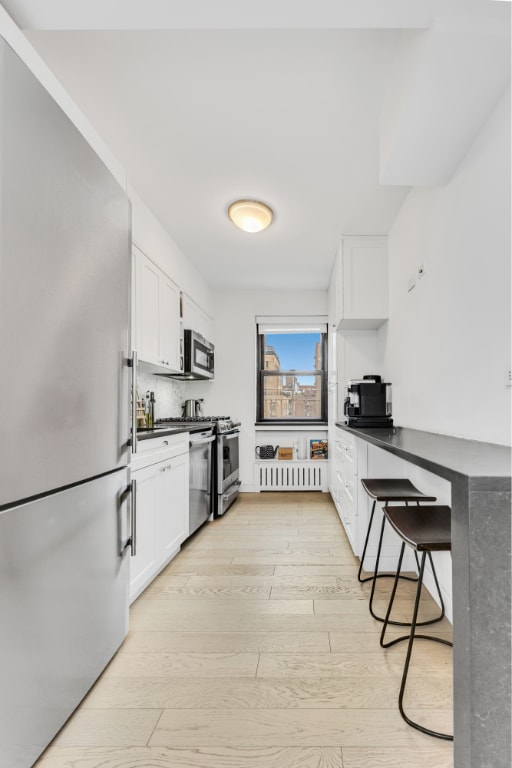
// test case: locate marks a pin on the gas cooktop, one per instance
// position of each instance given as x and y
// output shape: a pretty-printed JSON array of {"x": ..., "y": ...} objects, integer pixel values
[
  {"x": 187, "y": 419},
  {"x": 221, "y": 423}
]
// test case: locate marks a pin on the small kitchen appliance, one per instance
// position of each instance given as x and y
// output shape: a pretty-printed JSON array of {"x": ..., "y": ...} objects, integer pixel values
[
  {"x": 193, "y": 407},
  {"x": 198, "y": 358},
  {"x": 368, "y": 403}
]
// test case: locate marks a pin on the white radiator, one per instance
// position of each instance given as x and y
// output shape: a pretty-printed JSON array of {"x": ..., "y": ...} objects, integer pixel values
[{"x": 288, "y": 476}]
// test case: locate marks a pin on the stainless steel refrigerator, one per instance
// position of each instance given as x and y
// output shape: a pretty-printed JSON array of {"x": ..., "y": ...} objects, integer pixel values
[{"x": 64, "y": 415}]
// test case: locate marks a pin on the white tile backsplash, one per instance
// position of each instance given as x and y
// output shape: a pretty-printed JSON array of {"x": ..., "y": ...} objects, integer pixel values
[{"x": 169, "y": 394}]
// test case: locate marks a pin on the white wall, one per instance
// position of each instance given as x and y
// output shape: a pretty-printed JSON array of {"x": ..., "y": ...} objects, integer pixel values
[
  {"x": 447, "y": 345},
  {"x": 233, "y": 392},
  {"x": 19, "y": 43}
]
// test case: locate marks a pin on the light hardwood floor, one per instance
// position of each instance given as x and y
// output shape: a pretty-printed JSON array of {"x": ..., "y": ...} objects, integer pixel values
[{"x": 254, "y": 648}]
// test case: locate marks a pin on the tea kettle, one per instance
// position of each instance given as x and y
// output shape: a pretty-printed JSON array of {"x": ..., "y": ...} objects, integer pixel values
[{"x": 193, "y": 407}]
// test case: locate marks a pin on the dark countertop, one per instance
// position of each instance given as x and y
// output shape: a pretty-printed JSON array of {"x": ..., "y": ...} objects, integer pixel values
[
  {"x": 147, "y": 434},
  {"x": 449, "y": 457}
]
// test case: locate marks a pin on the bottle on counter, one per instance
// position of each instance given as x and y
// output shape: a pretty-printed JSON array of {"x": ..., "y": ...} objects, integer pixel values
[
  {"x": 147, "y": 409},
  {"x": 152, "y": 409}
]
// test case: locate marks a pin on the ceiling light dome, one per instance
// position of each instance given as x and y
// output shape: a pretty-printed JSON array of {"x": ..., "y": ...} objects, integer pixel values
[{"x": 250, "y": 215}]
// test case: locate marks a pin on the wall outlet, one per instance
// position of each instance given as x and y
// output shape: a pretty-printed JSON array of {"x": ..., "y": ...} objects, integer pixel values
[
  {"x": 420, "y": 271},
  {"x": 411, "y": 283},
  {"x": 508, "y": 377}
]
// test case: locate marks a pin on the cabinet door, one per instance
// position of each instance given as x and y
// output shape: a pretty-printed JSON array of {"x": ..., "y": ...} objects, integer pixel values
[
  {"x": 362, "y": 283},
  {"x": 147, "y": 309},
  {"x": 172, "y": 519},
  {"x": 157, "y": 312},
  {"x": 144, "y": 564},
  {"x": 169, "y": 323},
  {"x": 196, "y": 319},
  {"x": 349, "y": 512}
]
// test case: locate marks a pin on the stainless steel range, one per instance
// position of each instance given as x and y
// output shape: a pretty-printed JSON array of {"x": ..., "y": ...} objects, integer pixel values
[
  {"x": 223, "y": 466},
  {"x": 227, "y": 468}
]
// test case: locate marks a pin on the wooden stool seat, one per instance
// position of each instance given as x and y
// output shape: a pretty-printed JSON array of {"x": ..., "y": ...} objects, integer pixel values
[
  {"x": 392, "y": 489},
  {"x": 427, "y": 530}
]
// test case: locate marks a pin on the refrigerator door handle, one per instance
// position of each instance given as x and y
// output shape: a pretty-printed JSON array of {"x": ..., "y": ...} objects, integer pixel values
[
  {"x": 133, "y": 518},
  {"x": 129, "y": 543},
  {"x": 132, "y": 362}
]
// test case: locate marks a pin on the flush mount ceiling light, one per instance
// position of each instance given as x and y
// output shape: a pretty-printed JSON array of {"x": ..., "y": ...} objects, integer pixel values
[{"x": 250, "y": 215}]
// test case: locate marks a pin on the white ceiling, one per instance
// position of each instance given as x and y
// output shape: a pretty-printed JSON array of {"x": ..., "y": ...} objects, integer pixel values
[{"x": 202, "y": 108}]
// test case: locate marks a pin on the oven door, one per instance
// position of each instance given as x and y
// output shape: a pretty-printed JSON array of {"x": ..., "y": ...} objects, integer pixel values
[{"x": 227, "y": 470}]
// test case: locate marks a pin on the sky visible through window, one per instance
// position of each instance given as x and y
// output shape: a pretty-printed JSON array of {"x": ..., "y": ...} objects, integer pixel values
[{"x": 296, "y": 351}]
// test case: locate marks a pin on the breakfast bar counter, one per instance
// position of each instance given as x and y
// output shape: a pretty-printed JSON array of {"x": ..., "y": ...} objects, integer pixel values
[{"x": 480, "y": 477}]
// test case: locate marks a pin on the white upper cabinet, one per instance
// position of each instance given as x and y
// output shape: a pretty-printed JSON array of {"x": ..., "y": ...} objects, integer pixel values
[
  {"x": 170, "y": 325},
  {"x": 196, "y": 319},
  {"x": 157, "y": 315},
  {"x": 361, "y": 283}
]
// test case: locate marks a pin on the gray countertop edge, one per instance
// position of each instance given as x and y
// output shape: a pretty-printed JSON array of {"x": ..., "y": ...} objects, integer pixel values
[{"x": 484, "y": 466}]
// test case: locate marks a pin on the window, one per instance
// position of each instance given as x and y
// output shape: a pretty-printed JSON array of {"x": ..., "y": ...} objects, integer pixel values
[{"x": 292, "y": 371}]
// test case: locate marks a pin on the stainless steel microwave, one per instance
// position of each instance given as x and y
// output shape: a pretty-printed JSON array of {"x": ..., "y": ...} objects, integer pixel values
[{"x": 198, "y": 357}]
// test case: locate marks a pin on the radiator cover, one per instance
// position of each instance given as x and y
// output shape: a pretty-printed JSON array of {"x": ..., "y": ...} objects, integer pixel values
[{"x": 288, "y": 476}]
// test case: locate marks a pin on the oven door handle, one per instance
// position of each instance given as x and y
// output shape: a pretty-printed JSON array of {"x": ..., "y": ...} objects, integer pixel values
[
  {"x": 230, "y": 436},
  {"x": 204, "y": 441},
  {"x": 232, "y": 490}
]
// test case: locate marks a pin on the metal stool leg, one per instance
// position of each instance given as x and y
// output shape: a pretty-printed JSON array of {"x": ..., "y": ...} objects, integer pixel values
[
  {"x": 386, "y": 620},
  {"x": 411, "y": 639},
  {"x": 376, "y": 575},
  {"x": 368, "y": 578},
  {"x": 434, "y": 574}
]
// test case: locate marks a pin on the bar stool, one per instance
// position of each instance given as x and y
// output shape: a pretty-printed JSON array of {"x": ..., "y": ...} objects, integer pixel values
[
  {"x": 386, "y": 490},
  {"x": 427, "y": 530}
]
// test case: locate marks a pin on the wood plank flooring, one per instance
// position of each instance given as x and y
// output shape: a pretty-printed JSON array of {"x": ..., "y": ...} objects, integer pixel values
[{"x": 254, "y": 648}]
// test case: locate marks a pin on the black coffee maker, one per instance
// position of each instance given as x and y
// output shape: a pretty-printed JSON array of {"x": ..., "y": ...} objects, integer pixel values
[{"x": 368, "y": 403}]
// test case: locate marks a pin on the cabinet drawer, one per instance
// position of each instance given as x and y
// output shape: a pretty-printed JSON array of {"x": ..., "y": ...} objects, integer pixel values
[
  {"x": 347, "y": 452},
  {"x": 350, "y": 493},
  {"x": 350, "y": 460},
  {"x": 338, "y": 453},
  {"x": 158, "y": 449}
]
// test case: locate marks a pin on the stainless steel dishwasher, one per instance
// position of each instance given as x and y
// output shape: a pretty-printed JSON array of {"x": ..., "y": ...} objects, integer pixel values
[{"x": 200, "y": 483}]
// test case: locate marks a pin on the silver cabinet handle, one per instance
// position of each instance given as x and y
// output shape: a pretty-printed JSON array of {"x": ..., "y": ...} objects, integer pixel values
[
  {"x": 133, "y": 519},
  {"x": 133, "y": 364},
  {"x": 232, "y": 436}
]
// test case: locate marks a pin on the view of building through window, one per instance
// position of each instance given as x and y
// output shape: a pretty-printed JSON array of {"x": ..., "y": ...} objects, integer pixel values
[{"x": 292, "y": 376}]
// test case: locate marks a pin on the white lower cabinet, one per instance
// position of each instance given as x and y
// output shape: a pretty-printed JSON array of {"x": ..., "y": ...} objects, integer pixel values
[
  {"x": 160, "y": 476},
  {"x": 172, "y": 500},
  {"x": 349, "y": 459},
  {"x": 143, "y": 563}
]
